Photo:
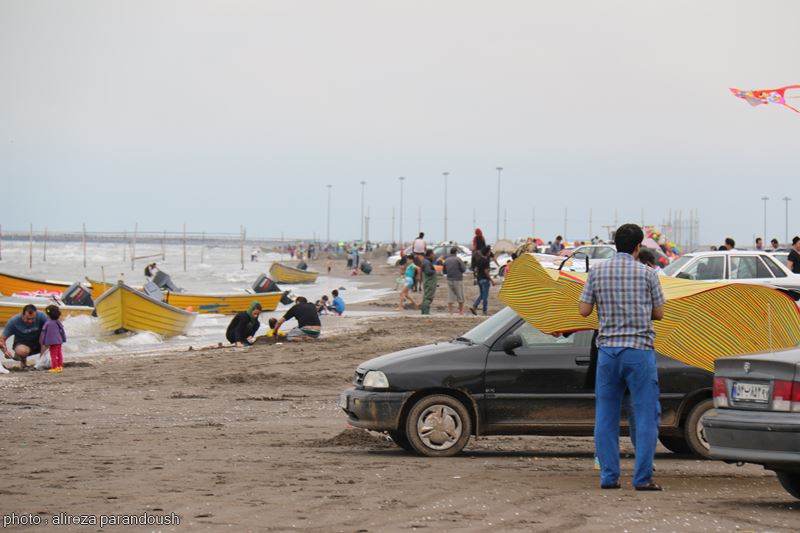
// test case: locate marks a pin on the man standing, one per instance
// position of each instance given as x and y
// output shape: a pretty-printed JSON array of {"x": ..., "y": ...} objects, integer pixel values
[
  {"x": 793, "y": 261},
  {"x": 454, "y": 269},
  {"x": 775, "y": 245},
  {"x": 556, "y": 246},
  {"x": 759, "y": 244},
  {"x": 428, "y": 282},
  {"x": 730, "y": 244},
  {"x": 26, "y": 329},
  {"x": 482, "y": 266},
  {"x": 628, "y": 297},
  {"x": 308, "y": 324}
]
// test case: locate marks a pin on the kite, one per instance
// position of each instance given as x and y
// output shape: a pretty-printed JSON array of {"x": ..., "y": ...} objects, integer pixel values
[
  {"x": 768, "y": 96},
  {"x": 702, "y": 321}
]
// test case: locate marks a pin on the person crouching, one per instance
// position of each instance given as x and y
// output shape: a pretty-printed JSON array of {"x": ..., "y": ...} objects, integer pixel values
[{"x": 244, "y": 325}]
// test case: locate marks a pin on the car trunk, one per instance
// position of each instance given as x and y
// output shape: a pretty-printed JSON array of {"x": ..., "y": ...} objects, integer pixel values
[{"x": 769, "y": 382}]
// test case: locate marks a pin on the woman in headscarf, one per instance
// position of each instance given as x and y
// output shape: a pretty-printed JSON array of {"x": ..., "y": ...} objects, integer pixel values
[
  {"x": 244, "y": 325},
  {"x": 478, "y": 244}
]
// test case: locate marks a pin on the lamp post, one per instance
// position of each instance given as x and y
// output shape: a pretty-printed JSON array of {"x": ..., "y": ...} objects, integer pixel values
[
  {"x": 497, "y": 235},
  {"x": 362, "y": 211},
  {"x": 445, "y": 174},
  {"x": 764, "y": 199},
  {"x": 328, "y": 231},
  {"x": 400, "y": 222},
  {"x": 786, "y": 199}
]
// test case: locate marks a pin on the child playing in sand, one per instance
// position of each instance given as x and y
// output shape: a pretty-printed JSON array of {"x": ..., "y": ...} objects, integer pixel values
[
  {"x": 271, "y": 333},
  {"x": 53, "y": 336}
]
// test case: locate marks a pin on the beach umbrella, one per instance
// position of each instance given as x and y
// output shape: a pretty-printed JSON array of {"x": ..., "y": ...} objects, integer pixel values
[{"x": 702, "y": 321}]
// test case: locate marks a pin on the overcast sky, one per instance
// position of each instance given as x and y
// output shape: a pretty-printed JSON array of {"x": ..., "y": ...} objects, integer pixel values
[{"x": 224, "y": 113}]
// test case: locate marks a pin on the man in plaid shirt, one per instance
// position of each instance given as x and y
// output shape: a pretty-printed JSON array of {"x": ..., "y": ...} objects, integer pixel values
[{"x": 628, "y": 298}]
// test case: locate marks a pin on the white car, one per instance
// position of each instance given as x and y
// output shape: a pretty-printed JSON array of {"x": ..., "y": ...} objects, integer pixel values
[{"x": 736, "y": 266}]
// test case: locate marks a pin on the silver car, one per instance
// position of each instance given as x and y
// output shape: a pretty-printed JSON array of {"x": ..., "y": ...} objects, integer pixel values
[{"x": 757, "y": 413}]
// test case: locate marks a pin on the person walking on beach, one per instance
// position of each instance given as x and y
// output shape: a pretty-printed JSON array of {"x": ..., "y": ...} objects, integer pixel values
[
  {"x": 478, "y": 244},
  {"x": 52, "y": 337},
  {"x": 428, "y": 282},
  {"x": 26, "y": 329},
  {"x": 454, "y": 269},
  {"x": 408, "y": 281},
  {"x": 308, "y": 327},
  {"x": 628, "y": 297},
  {"x": 484, "y": 280},
  {"x": 244, "y": 325}
]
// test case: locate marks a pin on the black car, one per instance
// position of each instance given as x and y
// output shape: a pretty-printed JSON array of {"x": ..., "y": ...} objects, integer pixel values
[
  {"x": 757, "y": 415},
  {"x": 504, "y": 377}
]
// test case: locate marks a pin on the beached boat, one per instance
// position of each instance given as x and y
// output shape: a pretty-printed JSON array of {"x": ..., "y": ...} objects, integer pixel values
[
  {"x": 124, "y": 308},
  {"x": 224, "y": 304},
  {"x": 9, "y": 309},
  {"x": 10, "y": 284},
  {"x": 286, "y": 274}
]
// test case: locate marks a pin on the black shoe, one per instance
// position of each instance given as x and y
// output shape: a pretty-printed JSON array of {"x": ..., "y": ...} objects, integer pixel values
[
  {"x": 649, "y": 486},
  {"x": 473, "y": 311}
]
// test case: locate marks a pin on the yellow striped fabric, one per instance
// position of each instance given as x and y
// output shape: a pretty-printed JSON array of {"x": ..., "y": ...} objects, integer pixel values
[{"x": 702, "y": 321}]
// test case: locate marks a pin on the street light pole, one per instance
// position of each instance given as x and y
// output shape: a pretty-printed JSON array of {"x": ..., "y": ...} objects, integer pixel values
[
  {"x": 400, "y": 224},
  {"x": 497, "y": 235},
  {"x": 328, "y": 232},
  {"x": 362, "y": 211},
  {"x": 445, "y": 174},
  {"x": 765, "y": 198},
  {"x": 786, "y": 199}
]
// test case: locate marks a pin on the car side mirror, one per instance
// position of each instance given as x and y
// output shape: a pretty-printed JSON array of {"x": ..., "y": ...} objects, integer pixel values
[
  {"x": 684, "y": 275},
  {"x": 511, "y": 343}
]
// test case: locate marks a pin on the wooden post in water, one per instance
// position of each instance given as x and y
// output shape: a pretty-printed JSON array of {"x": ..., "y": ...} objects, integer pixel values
[
  {"x": 124, "y": 245},
  {"x": 44, "y": 250},
  {"x": 30, "y": 247},
  {"x": 84, "y": 245},
  {"x": 184, "y": 247},
  {"x": 202, "y": 246},
  {"x": 133, "y": 248},
  {"x": 241, "y": 244},
  {"x": 163, "y": 246}
]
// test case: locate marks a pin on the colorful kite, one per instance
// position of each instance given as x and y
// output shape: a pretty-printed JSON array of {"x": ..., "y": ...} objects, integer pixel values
[
  {"x": 702, "y": 321},
  {"x": 769, "y": 96}
]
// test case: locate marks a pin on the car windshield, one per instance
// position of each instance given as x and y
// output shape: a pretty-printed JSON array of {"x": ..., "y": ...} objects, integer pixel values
[
  {"x": 675, "y": 267},
  {"x": 481, "y": 333}
]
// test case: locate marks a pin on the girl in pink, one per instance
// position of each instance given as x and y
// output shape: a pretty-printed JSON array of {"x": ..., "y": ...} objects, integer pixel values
[{"x": 53, "y": 336}]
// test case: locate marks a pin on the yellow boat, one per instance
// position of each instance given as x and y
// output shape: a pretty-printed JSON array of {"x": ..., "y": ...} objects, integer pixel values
[
  {"x": 286, "y": 274},
  {"x": 122, "y": 307},
  {"x": 10, "y": 284},
  {"x": 9, "y": 309},
  {"x": 224, "y": 304}
]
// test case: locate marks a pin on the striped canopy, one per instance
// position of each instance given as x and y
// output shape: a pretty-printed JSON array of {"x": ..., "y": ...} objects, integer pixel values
[{"x": 702, "y": 321}]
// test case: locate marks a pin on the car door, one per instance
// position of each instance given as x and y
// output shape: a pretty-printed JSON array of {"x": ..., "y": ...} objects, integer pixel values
[{"x": 542, "y": 384}]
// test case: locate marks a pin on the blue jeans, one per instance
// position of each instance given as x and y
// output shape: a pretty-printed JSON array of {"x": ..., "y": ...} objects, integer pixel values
[
  {"x": 483, "y": 286},
  {"x": 618, "y": 368}
]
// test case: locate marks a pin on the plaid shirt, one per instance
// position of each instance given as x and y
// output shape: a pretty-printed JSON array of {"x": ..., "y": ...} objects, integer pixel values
[{"x": 625, "y": 292}]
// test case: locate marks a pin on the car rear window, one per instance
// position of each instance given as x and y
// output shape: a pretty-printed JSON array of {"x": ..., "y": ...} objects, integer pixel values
[{"x": 776, "y": 270}]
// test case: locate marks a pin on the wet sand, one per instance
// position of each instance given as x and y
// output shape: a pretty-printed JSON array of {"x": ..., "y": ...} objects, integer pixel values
[{"x": 252, "y": 440}]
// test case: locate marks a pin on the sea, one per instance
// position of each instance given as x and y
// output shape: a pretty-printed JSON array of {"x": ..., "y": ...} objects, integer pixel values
[{"x": 207, "y": 269}]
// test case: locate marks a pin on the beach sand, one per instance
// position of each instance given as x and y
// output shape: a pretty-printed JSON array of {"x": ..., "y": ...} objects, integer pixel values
[{"x": 252, "y": 440}]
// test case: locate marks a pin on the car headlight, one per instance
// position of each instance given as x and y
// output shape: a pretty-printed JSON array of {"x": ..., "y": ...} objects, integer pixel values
[{"x": 376, "y": 380}]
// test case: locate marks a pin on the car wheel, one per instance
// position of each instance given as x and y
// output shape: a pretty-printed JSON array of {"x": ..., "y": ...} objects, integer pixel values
[
  {"x": 438, "y": 426},
  {"x": 695, "y": 434},
  {"x": 399, "y": 438},
  {"x": 675, "y": 444},
  {"x": 790, "y": 482}
]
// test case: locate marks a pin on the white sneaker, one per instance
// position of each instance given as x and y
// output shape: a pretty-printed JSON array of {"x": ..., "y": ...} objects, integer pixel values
[{"x": 4, "y": 370}]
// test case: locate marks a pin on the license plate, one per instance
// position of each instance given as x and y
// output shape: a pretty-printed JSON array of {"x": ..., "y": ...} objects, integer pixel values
[
  {"x": 343, "y": 401},
  {"x": 750, "y": 392}
]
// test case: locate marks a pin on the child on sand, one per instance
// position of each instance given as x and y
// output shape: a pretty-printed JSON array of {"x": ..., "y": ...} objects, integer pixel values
[
  {"x": 53, "y": 336},
  {"x": 271, "y": 333}
]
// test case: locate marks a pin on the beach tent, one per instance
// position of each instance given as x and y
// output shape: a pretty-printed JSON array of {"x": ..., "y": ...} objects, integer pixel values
[
  {"x": 504, "y": 245},
  {"x": 702, "y": 321}
]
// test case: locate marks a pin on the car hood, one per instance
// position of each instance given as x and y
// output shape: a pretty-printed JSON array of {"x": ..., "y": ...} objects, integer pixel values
[{"x": 420, "y": 356}]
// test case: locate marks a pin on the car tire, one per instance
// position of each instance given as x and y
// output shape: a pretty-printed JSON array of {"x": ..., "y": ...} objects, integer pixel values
[
  {"x": 695, "y": 434},
  {"x": 399, "y": 438},
  {"x": 791, "y": 482},
  {"x": 675, "y": 444},
  {"x": 438, "y": 426}
]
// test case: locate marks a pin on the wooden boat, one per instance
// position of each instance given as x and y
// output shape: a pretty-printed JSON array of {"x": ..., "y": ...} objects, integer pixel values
[
  {"x": 122, "y": 307},
  {"x": 9, "y": 309},
  {"x": 286, "y": 274},
  {"x": 224, "y": 304},
  {"x": 10, "y": 284}
]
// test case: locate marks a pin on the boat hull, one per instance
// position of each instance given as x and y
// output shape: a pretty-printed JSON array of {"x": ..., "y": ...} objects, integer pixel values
[
  {"x": 286, "y": 274},
  {"x": 122, "y": 307},
  {"x": 10, "y": 284},
  {"x": 224, "y": 304},
  {"x": 10, "y": 309}
]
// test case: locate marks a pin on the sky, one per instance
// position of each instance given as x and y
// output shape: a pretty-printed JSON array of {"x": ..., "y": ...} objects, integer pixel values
[{"x": 229, "y": 113}]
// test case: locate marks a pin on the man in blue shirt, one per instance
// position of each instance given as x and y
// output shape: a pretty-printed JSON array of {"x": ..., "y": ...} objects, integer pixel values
[
  {"x": 628, "y": 297},
  {"x": 338, "y": 303},
  {"x": 25, "y": 328}
]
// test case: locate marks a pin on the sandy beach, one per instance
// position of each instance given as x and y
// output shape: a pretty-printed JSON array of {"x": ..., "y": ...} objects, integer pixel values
[{"x": 251, "y": 439}]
